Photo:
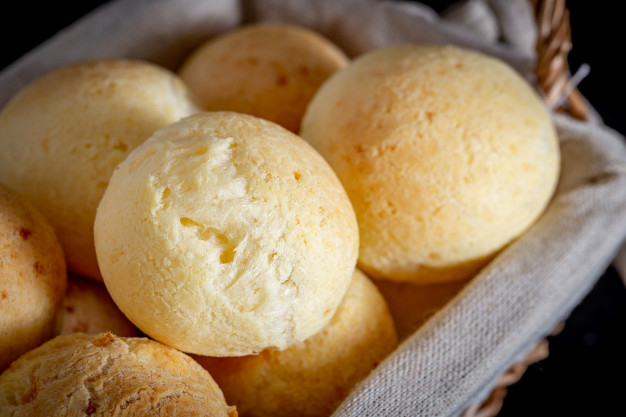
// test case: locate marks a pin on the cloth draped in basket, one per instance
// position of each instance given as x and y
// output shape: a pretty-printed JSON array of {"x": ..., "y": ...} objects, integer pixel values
[{"x": 455, "y": 359}]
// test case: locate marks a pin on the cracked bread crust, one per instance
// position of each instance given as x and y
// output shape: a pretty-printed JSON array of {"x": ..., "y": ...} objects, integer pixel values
[
  {"x": 226, "y": 234},
  {"x": 105, "y": 375}
]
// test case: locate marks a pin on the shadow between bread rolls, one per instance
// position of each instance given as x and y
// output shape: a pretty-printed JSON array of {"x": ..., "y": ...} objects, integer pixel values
[{"x": 88, "y": 308}]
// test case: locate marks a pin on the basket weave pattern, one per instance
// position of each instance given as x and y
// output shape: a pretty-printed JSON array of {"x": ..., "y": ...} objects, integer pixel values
[{"x": 554, "y": 42}]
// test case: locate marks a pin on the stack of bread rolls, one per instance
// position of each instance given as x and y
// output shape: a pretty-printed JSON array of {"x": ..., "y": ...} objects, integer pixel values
[{"x": 257, "y": 231}]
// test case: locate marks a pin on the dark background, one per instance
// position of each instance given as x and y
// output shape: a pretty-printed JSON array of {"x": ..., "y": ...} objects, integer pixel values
[{"x": 584, "y": 373}]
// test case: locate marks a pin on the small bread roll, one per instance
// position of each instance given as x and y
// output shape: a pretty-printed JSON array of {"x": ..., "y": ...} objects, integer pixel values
[
  {"x": 269, "y": 70},
  {"x": 447, "y": 156},
  {"x": 105, "y": 375},
  {"x": 412, "y": 305},
  {"x": 225, "y": 234},
  {"x": 62, "y": 136},
  {"x": 32, "y": 278},
  {"x": 88, "y": 308},
  {"x": 311, "y": 378}
]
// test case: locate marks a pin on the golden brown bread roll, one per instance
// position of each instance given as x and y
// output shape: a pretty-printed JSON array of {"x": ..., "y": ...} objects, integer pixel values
[
  {"x": 269, "y": 70},
  {"x": 104, "y": 375},
  {"x": 32, "y": 278},
  {"x": 65, "y": 132},
  {"x": 225, "y": 234},
  {"x": 311, "y": 378},
  {"x": 447, "y": 156},
  {"x": 88, "y": 308}
]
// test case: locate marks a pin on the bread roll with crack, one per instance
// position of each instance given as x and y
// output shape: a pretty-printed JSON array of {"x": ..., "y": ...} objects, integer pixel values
[
  {"x": 269, "y": 70},
  {"x": 311, "y": 378},
  {"x": 104, "y": 375},
  {"x": 32, "y": 278},
  {"x": 65, "y": 132},
  {"x": 88, "y": 308},
  {"x": 225, "y": 234},
  {"x": 447, "y": 155}
]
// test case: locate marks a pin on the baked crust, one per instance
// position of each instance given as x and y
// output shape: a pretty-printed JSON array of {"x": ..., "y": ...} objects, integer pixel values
[
  {"x": 447, "y": 155},
  {"x": 65, "y": 132},
  {"x": 225, "y": 234},
  {"x": 269, "y": 70},
  {"x": 104, "y": 375}
]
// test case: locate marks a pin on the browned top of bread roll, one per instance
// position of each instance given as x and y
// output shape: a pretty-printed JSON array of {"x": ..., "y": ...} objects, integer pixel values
[
  {"x": 269, "y": 70},
  {"x": 104, "y": 375}
]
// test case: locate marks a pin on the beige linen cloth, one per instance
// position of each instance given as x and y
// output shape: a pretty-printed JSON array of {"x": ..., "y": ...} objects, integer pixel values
[{"x": 456, "y": 357}]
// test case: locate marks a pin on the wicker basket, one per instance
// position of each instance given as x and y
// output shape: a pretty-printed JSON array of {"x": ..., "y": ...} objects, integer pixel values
[
  {"x": 559, "y": 91},
  {"x": 553, "y": 46}
]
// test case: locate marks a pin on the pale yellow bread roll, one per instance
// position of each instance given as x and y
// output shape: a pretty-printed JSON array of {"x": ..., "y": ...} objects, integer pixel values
[
  {"x": 104, "y": 375},
  {"x": 447, "y": 156},
  {"x": 311, "y": 378},
  {"x": 63, "y": 134},
  {"x": 225, "y": 234},
  {"x": 412, "y": 305},
  {"x": 269, "y": 70},
  {"x": 88, "y": 308},
  {"x": 32, "y": 278}
]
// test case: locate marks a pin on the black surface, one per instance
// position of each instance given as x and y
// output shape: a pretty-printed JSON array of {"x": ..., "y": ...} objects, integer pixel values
[
  {"x": 577, "y": 378},
  {"x": 30, "y": 23}
]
